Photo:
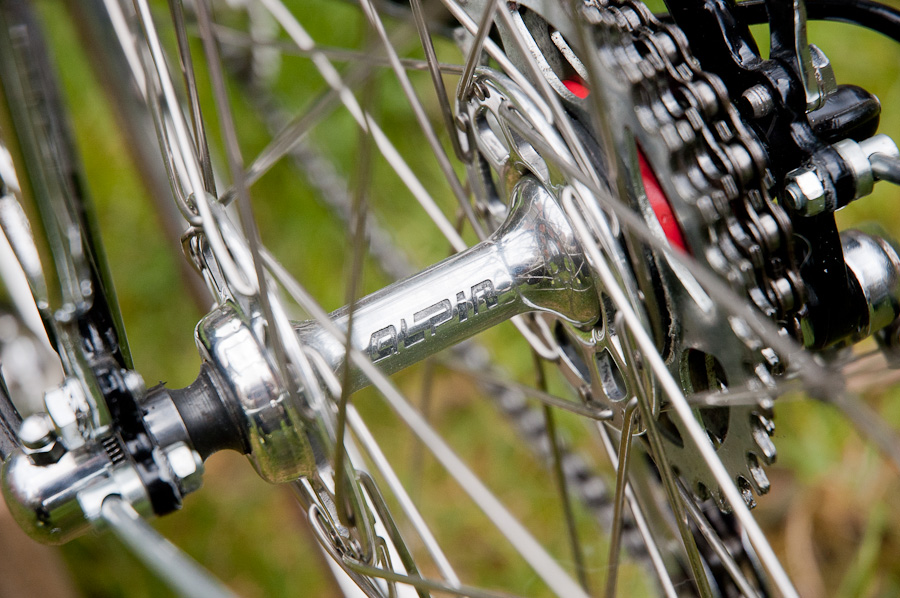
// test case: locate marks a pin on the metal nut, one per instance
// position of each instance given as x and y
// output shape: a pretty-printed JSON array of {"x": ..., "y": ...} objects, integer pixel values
[
  {"x": 805, "y": 192},
  {"x": 186, "y": 464},
  {"x": 39, "y": 440}
]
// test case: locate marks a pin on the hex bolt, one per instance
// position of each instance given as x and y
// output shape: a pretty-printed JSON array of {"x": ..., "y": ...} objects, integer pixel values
[
  {"x": 186, "y": 464},
  {"x": 759, "y": 100},
  {"x": 36, "y": 431},
  {"x": 39, "y": 439},
  {"x": 804, "y": 192}
]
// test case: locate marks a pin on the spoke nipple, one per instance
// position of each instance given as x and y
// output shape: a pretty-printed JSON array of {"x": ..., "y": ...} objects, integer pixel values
[
  {"x": 584, "y": 392},
  {"x": 462, "y": 121}
]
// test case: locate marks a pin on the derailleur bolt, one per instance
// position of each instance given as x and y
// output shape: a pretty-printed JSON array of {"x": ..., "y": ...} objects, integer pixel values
[
  {"x": 39, "y": 440},
  {"x": 758, "y": 101},
  {"x": 187, "y": 466},
  {"x": 804, "y": 192}
]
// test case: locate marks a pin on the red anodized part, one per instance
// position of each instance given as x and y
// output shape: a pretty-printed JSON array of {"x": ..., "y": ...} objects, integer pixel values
[
  {"x": 577, "y": 87},
  {"x": 655, "y": 194},
  {"x": 661, "y": 206}
]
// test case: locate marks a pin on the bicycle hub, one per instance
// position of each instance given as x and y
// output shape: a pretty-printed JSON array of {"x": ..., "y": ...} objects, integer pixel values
[{"x": 532, "y": 263}]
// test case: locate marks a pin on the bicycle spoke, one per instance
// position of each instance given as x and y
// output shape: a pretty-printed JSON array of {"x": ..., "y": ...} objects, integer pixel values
[
  {"x": 334, "y": 190},
  {"x": 515, "y": 125},
  {"x": 515, "y": 25},
  {"x": 333, "y": 78},
  {"x": 619, "y": 505},
  {"x": 169, "y": 101},
  {"x": 716, "y": 543},
  {"x": 561, "y": 481},
  {"x": 867, "y": 422},
  {"x": 437, "y": 80},
  {"x": 377, "y": 573},
  {"x": 426, "y": 399},
  {"x": 172, "y": 565},
  {"x": 493, "y": 50},
  {"x": 418, "y": 110},
  {"x": 820, "y": 380},
  {"x": 233, "y": 37},
  {"x": 464, "y": 87},
  {"x": 183, "y": 151},
  {"x": 289, "y": 134},
  {"x": 176, "y": 8},
  {"x": 683, "y": 410},
  {"x": 354, "y": 279},
  {"x": 651, "y": 545},
  {"x": 534, "y": 393},
  {"x": 543, "y": 564},
  {"x": 373, "y": 451},
  {"x": 236, "y": 170}
]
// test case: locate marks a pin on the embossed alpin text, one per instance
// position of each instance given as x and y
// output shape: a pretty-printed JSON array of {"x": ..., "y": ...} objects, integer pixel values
[{"x": 387, "y": 341}]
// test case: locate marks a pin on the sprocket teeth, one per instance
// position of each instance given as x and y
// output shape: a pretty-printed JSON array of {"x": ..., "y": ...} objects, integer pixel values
[
  {"x": 761, "y": 433},
  {"x": 746, "y": 489},
  {"x": 758, "y": 476},
  {"x": 765, "y": 420},
  {"x": 720, "y": 501}
]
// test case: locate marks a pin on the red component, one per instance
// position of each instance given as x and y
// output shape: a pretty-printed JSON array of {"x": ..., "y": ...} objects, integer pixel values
[
  {"x": 576, "y": 85},
  {"x": 661, "y": 206}
]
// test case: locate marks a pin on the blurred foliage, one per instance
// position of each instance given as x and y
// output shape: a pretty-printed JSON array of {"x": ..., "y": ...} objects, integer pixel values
[{"x": 821, "y": 511}]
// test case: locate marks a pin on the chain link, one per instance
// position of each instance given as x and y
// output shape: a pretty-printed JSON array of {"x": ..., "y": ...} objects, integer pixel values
[{"x": 723, "y": 160}]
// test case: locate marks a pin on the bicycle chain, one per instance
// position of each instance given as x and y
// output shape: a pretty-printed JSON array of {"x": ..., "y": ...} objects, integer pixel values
[
  {"x": 715, "y": 174},
  {"x": 752, "y": 233},
  {"x": 703, "y": 131}
]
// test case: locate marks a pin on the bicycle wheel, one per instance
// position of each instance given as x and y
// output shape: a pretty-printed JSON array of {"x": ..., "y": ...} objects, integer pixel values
[{"x": 608, "y": 377}]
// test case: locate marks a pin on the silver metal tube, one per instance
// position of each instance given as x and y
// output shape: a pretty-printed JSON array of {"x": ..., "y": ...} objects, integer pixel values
[
  {"x": 532, "y": 263},
  {"x": 175, "y": 567}
]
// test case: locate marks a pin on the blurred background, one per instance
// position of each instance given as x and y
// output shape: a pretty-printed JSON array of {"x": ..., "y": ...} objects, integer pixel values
[{"x": 834, "y": 508}]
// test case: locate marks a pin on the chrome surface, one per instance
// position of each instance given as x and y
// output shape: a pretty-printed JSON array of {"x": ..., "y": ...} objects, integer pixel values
[
  {"x": 880, "y": 144},
  {"x": 886, "y": 168},
  {"x": 858, "y": 158},
  {"x": 534, "y": 262},
  {"x": 857, "y": 161},
  {"x": 875, "y": 265},
  {"x": 824, "y": 73},
  {"x": 509, "y": 126},
  {"x": 70, "y": 413},
  {"x": 185, "y": 465},
  {"x": 55, "y": 502},
  {"x": 276, "y": 428},
  {"x": 39, "y": 440},
  {"x": 55, "y": 485},
  {"x": 793, "y": 32},
  {"x": 164, "y": 423},
  {"x": 530, "y": 264}
]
